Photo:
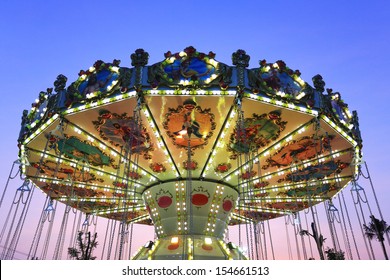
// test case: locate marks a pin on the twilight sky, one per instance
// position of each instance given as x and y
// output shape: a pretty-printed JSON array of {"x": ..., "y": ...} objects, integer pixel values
[{"x": 347, "y": 42}]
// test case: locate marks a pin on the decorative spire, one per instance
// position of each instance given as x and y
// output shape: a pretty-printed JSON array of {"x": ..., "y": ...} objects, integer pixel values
[
  {"x": 240, "y": 58},
  {"x": 139, "y": 58},
  {"x": 318, "y": 83},
  {"x": 60, "y": 83}
]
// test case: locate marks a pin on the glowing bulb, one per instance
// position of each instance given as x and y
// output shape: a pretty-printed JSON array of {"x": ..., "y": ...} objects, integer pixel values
[{"x": 175, "y": 240}]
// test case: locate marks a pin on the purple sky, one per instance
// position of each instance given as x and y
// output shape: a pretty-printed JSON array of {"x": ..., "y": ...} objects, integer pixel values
[{"x": 347, "y": 42}]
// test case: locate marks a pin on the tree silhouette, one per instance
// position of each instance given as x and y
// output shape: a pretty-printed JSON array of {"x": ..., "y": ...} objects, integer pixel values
[
  {"x": 85, "y": 247},
  {"x": 319, "y": 239},
  {"x": 333, "y": 254},
  {"x": 377, "y": 228}
]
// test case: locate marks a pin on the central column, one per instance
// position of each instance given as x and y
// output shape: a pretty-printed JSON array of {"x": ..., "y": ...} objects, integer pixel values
[{"x": 190, "y": 227}]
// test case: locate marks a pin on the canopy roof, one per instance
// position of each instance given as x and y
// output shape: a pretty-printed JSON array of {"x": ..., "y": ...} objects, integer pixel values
[{"x": 101, "y": 142}]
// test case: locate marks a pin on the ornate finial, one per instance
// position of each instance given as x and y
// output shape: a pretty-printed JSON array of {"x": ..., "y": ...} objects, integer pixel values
[
  {"x": 24, "y": 117},
  {"x": 139, "y": 58},
  {"x": 190, "y": 51},
  {"x": 281, "y": 65},
  {"x": 318, "y": 83},
  {"x": 98, "y": 64},
  {"x": 60, "y": 83},
  {"x": 356, "y": 129},
  {"x": 240, "y": 58},
  {"x": 116, "y": 62}
]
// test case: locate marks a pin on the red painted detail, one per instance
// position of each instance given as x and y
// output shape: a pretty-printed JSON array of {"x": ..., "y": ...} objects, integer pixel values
[
  {"x": 260, "y": 185},
  {"x": 199, "y": 199},
  {"x": 67, "y": 170},
  {"x": 134, "y": 175},
  {"x": 227, "y": 205},
  {"x": 207, "y": 247},
  {"x": 164, "y": 201},
  {"x": 106, "y": 116},
  {"x": 173, "y": 246},
  {"x": 222, "y": 168}
]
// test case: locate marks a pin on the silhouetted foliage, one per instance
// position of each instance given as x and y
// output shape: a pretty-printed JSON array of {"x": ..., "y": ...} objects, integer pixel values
[
  {"x": 85, "y": 247},
  {"x": 319, "y": 239},
  {"x": 377, "y": 228},
  {"x": 333, "y": 254}
]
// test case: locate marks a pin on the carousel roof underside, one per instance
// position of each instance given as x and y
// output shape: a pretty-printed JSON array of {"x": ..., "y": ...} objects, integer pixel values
[{"x": 100, "y": 143}]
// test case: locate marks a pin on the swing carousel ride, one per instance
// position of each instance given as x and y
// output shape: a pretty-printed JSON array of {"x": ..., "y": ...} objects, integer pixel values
[{"x": 190, "y": 146}]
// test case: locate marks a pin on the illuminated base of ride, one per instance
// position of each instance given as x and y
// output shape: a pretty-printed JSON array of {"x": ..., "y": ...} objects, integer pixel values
[
  {"x": 187, "y": 247},
  {"x": 190, "y": 218}
]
